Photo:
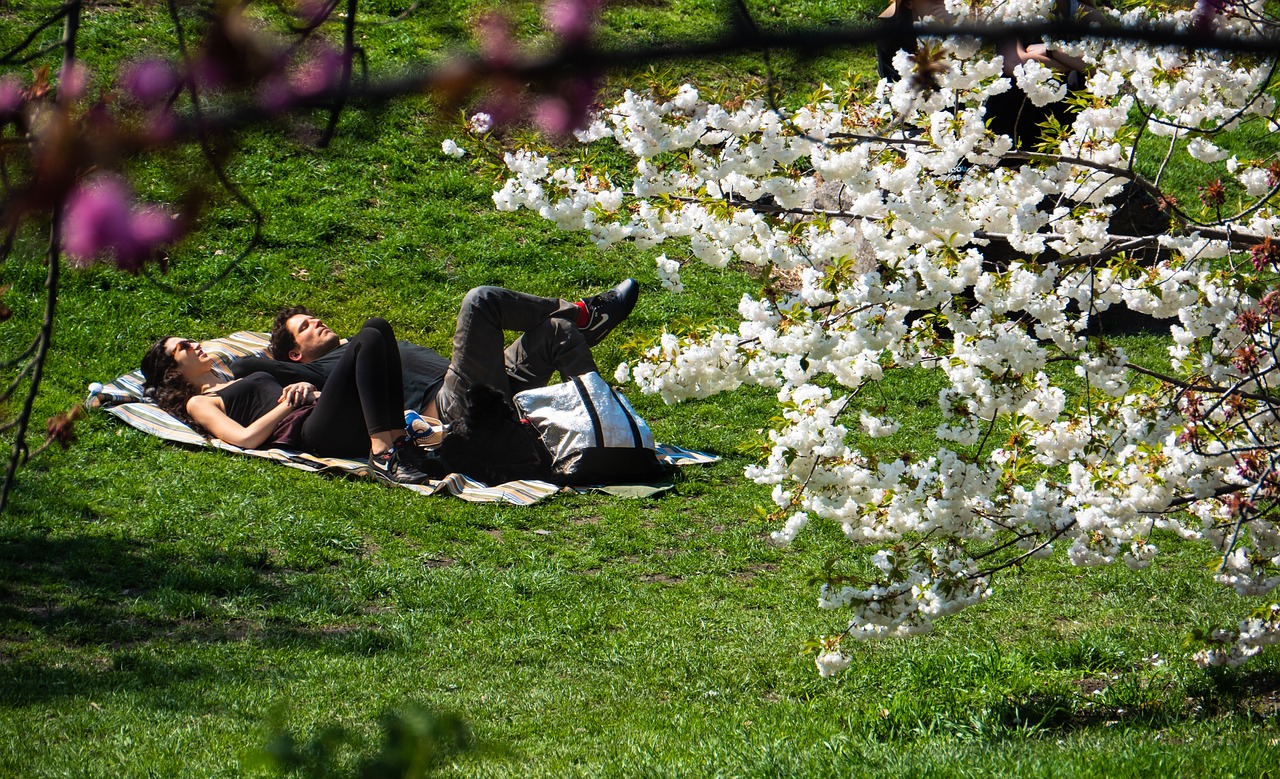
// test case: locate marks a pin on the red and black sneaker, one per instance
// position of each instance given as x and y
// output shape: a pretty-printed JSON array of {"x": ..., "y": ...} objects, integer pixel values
[{"x": 607, "y": 310}]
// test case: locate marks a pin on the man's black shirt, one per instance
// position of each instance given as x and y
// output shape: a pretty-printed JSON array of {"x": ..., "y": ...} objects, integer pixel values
[{"x": 423, "y": 370}]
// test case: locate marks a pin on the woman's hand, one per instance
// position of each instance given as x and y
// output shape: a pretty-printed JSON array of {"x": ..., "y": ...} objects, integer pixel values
[{"x": 298, "y": 394}]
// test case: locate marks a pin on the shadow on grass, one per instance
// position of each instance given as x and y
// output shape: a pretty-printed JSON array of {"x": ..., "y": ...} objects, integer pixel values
[
  {"x": 1084, "y": 686},
  {"x": 1250, "y": 695},
  {"x": 1224, "y": 691},
  {"x": 85, "y": 612}
]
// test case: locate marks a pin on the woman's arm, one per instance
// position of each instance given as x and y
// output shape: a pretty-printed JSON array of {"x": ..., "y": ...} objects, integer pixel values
[
  {"x": 1055, "y": 59},
  {"x": 208, "y": 411},
  {"x": 299, "y": 393}
]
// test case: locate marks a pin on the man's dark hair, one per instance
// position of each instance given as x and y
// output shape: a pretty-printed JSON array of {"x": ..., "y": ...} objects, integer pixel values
[{"x": 282, "y": 341}]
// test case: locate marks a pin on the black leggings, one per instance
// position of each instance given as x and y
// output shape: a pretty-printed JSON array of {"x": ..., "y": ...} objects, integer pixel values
[{"x": 363, "y": 395}]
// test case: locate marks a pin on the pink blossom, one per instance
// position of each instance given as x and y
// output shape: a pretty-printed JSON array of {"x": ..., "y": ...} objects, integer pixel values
[
  {"x": 568, "y": 111},
  {"x": 10, "y": 96},
  {"x": 72, "y": 80},
  {"x": 1207, "y": 13},
  {"x": 497, "y": 46},
  {"x": 572, "y": 20},
  {"x": 97, "y": 216},
  {"x": 149, "y": 81},
  {"x": 552, "y": 116},
  {"x": 318, "y": 73},
  {"x": 100, "y": 217},
  {"x": 275, "y": 95}
]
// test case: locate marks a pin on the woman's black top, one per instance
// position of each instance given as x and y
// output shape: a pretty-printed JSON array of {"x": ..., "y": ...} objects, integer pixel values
[{"x": 250, "y": 397}]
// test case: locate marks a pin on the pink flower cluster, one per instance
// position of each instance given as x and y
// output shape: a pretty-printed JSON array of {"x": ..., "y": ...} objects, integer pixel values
[
  {"x": 102, "y": 217},
  {"x": 557, "y": 109}
]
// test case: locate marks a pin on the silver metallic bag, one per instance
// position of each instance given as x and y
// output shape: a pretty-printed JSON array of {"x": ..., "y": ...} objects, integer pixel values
[{"x": 591, "y": 431}]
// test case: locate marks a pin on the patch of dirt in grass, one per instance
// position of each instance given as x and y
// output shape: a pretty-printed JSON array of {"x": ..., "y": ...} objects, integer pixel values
[
  {"x": 1091, "y": 686},
  {"x": 1249, "y": 691},
  {"x": 752, "y": 571},
  {"x": 660, "y": 578},
  {"x": 494, "y": 533},
  {"x": 637, "y": 3},
  {"x": 1267, "y": 705},
  {"x": 231, "y": 630}
]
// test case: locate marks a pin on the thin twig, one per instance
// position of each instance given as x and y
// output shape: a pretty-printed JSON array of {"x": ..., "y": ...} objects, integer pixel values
[
  {"x": 1025, "y": 556},
  {"x": 8, "y": 57},
  {"x": 344, "y": 85},
  {"x": 54, "y": 260}
]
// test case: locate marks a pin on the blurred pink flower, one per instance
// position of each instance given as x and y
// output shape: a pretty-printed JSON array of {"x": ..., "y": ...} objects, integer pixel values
[
  {"x": 72, "y": 80},
  {"x": 497, "y": 46},
  {"x": 568, "y": 111},
  {"x": 149, "y": 81},
  {"x": 1207, "y": 12},
  {"x": 275, "y": 95},
  {"x": 318, "y": 72},
  {"x": 572, "y": 20},
  {"x": 101, "y": 217},
  {"x": 552, "y": 116},
  {"x": 10, "y": 96},
  {"x": 96, "y": 217}
]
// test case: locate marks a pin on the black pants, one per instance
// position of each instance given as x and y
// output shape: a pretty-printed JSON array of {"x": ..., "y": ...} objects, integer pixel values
[
  {"x": 363, "y": 396},
  {"x": 549, "y": 342},
  {"x": 1013, "y": 114}
]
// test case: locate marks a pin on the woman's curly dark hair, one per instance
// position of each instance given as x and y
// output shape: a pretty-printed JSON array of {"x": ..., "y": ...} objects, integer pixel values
[{"x": 166, "y": 385}]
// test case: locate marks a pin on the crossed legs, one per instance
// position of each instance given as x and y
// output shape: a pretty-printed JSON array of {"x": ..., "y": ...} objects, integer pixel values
[{"x": 549, "y": 342}]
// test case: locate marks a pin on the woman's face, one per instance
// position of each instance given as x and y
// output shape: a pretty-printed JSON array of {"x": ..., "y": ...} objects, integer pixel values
[{"x": 191, "y": 358}]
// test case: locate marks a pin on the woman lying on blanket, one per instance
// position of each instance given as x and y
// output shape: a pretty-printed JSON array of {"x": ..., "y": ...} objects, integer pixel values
[{"x": 361, "y": 409}]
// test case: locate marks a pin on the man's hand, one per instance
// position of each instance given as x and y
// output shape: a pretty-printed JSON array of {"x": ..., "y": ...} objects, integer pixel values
[{"x": 299, "y": 393}]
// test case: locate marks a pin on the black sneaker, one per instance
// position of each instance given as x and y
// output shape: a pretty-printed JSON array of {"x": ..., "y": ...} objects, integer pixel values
[
  {"x": 393, "y": 467},
  {"x": 607, "y": 310},
  {"x": 423, "y": 460}
]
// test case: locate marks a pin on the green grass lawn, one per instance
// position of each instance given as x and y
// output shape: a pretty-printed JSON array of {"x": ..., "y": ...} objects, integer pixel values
[{"x": 161, "y": 606}]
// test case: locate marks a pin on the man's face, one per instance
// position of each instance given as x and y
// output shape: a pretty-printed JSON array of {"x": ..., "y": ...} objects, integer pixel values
[{"x": 314, "y": 338}]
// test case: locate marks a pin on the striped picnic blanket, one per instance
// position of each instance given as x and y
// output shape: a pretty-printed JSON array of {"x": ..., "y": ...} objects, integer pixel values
[{"x": 123, "y": 398}]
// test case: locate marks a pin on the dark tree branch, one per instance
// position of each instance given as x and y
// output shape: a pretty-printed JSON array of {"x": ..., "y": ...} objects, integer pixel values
[
  {"x": 54, "y": 260},
  {"x": 10, "y": 57},
  {"x": 344, "y": 85},
  {"x": 219, "y": 171}
]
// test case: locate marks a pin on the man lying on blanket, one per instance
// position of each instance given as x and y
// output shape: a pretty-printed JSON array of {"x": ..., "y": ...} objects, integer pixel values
[{"x": 556, "y": 335}]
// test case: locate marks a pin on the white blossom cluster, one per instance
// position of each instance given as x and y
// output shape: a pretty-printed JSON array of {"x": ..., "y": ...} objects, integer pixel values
[
  {"x": 1233, "y": 647},
  {"x": 889, "y": 252}
]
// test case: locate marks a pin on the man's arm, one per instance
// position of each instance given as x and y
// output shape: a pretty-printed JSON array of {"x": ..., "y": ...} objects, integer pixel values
[
  {"x": 284, "y": 372},
  {"x": 423, "y": 370}
]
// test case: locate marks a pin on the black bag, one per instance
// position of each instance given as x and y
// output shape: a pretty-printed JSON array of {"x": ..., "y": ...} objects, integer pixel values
[{"x": 490, "y": 443}]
